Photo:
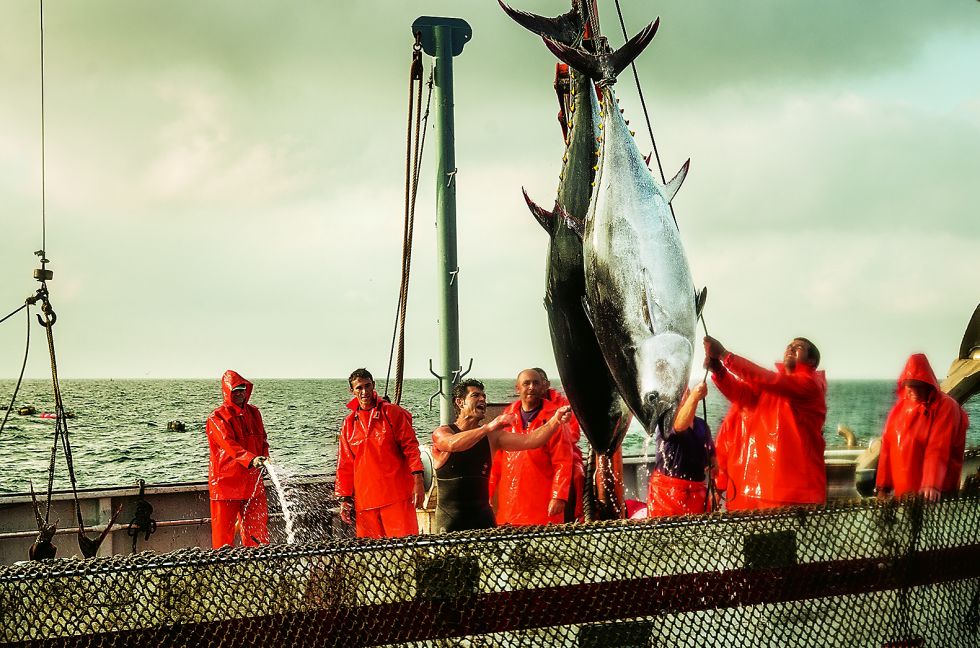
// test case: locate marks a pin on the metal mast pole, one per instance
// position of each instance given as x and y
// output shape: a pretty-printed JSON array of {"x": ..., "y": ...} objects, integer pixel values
[{"x": 444, "y": 38}]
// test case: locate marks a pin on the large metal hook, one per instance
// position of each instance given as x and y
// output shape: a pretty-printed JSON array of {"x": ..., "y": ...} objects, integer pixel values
[{"x": 50, "y": 317}]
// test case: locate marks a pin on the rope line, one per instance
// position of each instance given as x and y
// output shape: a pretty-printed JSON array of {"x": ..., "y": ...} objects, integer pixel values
[
  {"x": 414, "y": 147},
  {"x": 14, "y": 312},
  {"x": 23, "y": 366}
]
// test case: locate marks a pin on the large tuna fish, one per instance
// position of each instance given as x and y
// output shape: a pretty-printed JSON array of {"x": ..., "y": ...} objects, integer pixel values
[
  {"x": 601, "y": 413},
  {"x": 638, "y": 284}
]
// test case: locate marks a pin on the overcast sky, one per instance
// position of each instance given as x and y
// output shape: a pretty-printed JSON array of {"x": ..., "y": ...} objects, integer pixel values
[{"x": 225, "y": 178}]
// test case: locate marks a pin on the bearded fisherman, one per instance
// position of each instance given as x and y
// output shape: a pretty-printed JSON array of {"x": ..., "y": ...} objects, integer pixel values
[
  {"x": 238, "y": 449},
  {"x": 924, "y": 437},
  {"x": 770, "y": 444},
  {"x": 463, "y": 453},
  {"x": 379, "y": 467},
  {"x": 532, "y": 487}
]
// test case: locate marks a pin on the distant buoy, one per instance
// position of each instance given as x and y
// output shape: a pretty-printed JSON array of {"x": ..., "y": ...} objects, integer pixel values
[
  {"x": 27, "y": 410},
  {"x": 177, "y": 426}
]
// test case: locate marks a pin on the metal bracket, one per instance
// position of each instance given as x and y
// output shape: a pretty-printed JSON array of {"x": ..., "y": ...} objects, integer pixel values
[
  {"x": 459, "y": 373},
  {"x": 439, "y": 379}
]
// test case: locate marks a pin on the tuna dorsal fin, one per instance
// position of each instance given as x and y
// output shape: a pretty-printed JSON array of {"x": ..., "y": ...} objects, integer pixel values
[
  {"x": 675, "y": 183},
  {"x": 575, "y": 224},
  {"x": 632, "y": 48},
  {"x": 699, "y": 299},
  {"x": 545, "y": 218},
  {"x": 566, "y": 28},
  {"x": 647, "y": 159}
]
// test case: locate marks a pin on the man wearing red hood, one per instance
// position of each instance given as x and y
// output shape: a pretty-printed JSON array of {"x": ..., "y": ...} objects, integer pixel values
[
  {"x": 379, "y": 467},
  {"x": 770, "y": 444},
  {"x": 532, "y": 486},
  {"x": 238, "y": 448},
  {"x": 924, "y": 437}
]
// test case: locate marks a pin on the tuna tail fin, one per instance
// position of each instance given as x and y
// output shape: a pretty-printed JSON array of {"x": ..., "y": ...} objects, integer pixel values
[
  {"x": 603, "y": 68},
  {"x": 577, "y": 225},
  {"x": 670, "y": 190},
  {"x": 566, "y": 28},
  {"x": 545, "y": 218},
  {"x": 632, "y": 48}
]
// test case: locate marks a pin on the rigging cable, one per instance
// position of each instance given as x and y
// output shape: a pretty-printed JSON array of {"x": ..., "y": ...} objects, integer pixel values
[
  {"x": 44, "y": 234},
  {"x": 646, "y": 114},
  {"x": 413, "y": 157}
]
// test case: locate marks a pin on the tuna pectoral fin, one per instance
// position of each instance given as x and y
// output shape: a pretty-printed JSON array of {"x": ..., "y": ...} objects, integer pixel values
[
  {"x": 577, "y": 225},
  {"x": 565, "y": 28},
  {"x": 699, "y": 299},
  {"x": 588, "y": 313},
  {"x": 671, "y": 189},
  {"x": 545, "y": 218},
  {"x": 649, "y": 301}
]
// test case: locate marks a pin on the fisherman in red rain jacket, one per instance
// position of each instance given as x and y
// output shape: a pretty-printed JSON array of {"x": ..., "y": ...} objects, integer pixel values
[
  {"x": 573, "y": 506},
  {"x": 238, "y": 448},
  {"x": 924, "y": 437},
  {"x": 532, "y": 485},
  {"x": 770, "y": 444},
  {"x": 379, "y": 468}
]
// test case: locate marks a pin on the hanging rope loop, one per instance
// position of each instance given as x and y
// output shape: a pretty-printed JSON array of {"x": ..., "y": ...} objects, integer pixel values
[{"x": 414, "y": 146}]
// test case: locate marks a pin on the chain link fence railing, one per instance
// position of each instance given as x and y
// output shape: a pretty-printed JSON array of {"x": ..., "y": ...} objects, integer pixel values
[{"x": 866, "y": 574}]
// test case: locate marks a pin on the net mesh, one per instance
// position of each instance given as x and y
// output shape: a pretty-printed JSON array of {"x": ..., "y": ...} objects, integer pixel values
[{"x": 865, "y": 574}]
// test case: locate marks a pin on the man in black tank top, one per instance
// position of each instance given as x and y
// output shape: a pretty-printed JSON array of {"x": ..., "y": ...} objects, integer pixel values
[{"x": 462, "y": 453}]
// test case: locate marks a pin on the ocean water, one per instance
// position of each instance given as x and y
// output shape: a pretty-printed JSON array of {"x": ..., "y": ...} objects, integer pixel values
[{"x": 119, "y": 433}]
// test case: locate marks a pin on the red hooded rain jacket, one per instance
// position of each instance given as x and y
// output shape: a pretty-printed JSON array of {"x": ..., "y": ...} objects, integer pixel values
[
  {"x": 922, "y": 444},
  {"x": 235, "y": 437}
]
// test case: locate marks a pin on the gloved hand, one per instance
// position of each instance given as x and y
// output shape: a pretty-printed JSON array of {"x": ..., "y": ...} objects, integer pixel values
[
  {"x": 259, "y": 462},
  {"x": 713, "y": 348}
]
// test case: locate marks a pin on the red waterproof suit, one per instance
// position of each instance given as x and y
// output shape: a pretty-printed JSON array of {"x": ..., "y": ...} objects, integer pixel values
[
  {"x": 574, "y": 509},
  {"x": 235, "y": 437},
  {"x": 525, "y": 481},
  {"x": 378, "y": 452},
  {"x": 923, "y": 442},
  {"x": 770, "y": 444}
]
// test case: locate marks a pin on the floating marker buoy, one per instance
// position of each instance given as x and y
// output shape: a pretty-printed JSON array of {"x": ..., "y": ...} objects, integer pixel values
[{"x": 177, "y": 426}]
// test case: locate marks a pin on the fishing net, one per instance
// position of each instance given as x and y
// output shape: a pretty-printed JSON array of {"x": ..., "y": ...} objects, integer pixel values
[{"x": 865, "y": 574}]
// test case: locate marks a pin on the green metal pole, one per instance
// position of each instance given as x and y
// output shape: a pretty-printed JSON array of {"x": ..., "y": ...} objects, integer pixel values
[{"x": 444, "y": 38}]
